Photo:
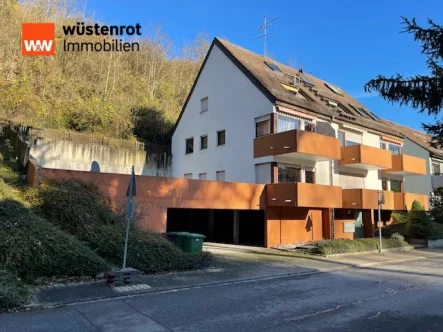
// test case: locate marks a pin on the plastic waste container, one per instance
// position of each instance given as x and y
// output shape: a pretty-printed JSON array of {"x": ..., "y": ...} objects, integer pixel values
[
  {"x": 193, "y": 242},
  {"x": 188, "y": 242}
]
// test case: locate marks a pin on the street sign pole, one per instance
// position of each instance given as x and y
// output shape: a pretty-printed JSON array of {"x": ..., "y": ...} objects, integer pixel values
[
  {"x": 129, "y": 213},
  {"x": 380, "y": 199}
]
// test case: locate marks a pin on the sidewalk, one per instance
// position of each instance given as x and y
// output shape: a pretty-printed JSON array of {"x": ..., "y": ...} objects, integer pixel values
[{"x": 232, "y": 265}]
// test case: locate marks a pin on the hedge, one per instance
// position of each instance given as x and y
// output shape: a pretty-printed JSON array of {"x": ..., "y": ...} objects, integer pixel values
[
  {"x": 13, "y": 292},
  {"x": 79, "y": 209},
  {"x": 342, "y": 246},
  {"x": 32, "y": 247}
]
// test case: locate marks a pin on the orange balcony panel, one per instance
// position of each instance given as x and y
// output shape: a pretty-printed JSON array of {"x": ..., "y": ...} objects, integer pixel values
[
  {"x": 365, "y": 157},
  {"x": 303, "y": 195},
  {"x": 366, "y": 199},
  {"x": 299, "y": 144},
  {"x": 403, "y": 201},
  {"x": 403, "y": 164}
]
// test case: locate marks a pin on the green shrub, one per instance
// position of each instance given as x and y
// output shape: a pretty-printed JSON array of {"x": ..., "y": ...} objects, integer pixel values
[
  {"x": 74, "y": 206},
  {"x": 397, "y": 236},
  {"x": 13, "y": 292},
  {"x": 436, "y": 203},
  {"x": 32, "y": 248},
  {"x": 147, "y": 252},
  {"x": 342, "y": 246},
  {"x": 399, "y": 217},
  {"x": 419, "y": 223},
  {"x": 78, "y": 209}
]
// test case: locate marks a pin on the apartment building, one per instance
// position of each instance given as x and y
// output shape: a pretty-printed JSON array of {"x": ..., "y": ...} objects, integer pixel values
[
  {"x": 418, "y": 144},
  {"x": 321, "y": 154}
]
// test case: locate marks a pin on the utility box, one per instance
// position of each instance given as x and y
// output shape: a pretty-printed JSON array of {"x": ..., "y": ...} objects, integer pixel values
[{"x": 188, "y": 242}]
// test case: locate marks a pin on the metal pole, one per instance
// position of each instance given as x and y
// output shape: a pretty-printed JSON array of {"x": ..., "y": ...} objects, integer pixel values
[
  {"x": 379, "y": 221},
  {"x": 127, "y": 222}
]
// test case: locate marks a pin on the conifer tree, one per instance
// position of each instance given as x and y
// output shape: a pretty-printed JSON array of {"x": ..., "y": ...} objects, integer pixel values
[{"x": 422, "y": 92}]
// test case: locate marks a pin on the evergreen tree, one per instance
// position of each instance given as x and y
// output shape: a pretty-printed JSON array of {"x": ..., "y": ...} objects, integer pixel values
[{"x": 422, "y": 92}]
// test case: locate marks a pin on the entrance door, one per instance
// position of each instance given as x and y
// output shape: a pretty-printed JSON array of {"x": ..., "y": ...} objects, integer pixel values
[{"x": 359, "y": 232}]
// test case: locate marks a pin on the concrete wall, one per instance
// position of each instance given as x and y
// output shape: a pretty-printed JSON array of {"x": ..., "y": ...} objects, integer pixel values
[
  {"x": 233, "y": 104},
  {"x": 79, "y": 157},
  {"x": 420, "y": 184},
  {"x": 156, "y": 194}
]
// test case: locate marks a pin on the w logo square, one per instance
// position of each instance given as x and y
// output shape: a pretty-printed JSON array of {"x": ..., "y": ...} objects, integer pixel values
[{"x": 38, "y": 39}]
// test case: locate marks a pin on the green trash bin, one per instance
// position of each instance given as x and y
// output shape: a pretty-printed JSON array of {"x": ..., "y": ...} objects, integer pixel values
[
  {"x": 192, "y": 242},
  {"x": 177, "y": 238}
]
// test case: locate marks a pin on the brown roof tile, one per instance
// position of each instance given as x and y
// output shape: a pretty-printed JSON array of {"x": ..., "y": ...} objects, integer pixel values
[{"x": 272, "y": 81}]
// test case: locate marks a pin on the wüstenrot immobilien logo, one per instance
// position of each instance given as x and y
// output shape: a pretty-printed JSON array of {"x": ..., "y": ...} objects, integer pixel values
[{"x": 38, "y": 38}]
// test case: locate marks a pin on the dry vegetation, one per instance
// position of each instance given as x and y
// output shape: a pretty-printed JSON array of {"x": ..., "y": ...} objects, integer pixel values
[{"x": 115, "y": 93}]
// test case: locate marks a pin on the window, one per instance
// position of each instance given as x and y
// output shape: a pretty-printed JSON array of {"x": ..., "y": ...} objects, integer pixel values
[
  {"x": 202, "y": 176},
  {"x": 188, "y": 176},
  {"x": 291, "y": 89},
  {"x": 309, "y": 176},
  {"x": 382, "y": 145},
  {"x": 203, "y": 105},
  {"x": 203, "y": 142},
  {"x": 360, "y": 111},
  {"x": 395, "y": 149},
  {"x": 263, "y": 128},
  {"x": 306, "y": 80},
  {"x": 435, "y": 168},
  {"x": 190, "y": 145},
  {"x": 334, "y": 89},
  {"x": 396, "y": 186},
  {"x": 221, "y": 137},
  {"x": 309, "y": 126},
  {"x": 350, "y": 143},
  {"x": 341, "y": 137},
  {"x": 220, "y": 175},
  {"x": 273, "y": 67},
  {"x": 289, "y": 173},
  {"x": 384, "y": 184},
  {"x": 285, "y": 123}
]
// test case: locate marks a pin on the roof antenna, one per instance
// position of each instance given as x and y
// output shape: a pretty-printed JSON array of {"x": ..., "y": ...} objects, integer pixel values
[{"x": 264, "y": 27}]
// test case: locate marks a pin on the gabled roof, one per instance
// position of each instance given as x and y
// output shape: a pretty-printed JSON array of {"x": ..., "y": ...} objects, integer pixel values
[
  {"x": 310, "y": 99},
  {"x": 418, "y": 137}
]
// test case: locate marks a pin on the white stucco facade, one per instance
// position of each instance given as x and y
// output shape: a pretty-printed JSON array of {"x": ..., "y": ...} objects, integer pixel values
[{"x": 233, "y": 104}]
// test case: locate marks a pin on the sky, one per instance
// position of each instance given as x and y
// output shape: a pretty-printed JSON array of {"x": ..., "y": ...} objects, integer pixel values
[{"x": 345, "y": 42}]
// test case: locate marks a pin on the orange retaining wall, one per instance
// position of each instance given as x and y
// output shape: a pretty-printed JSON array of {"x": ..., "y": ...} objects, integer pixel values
[{"x": 156, "y": 194}]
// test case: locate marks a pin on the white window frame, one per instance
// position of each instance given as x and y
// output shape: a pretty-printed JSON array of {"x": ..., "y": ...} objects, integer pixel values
[{"x": 202, "y": 101}]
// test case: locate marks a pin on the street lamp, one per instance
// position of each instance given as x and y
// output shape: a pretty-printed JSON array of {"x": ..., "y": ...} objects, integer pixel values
[{"x": 381, "y": 200}]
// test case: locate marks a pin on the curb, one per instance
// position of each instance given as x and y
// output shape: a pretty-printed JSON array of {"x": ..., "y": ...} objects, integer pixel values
[
  {"x": 219, "y": 283},
  {"x": 398, "y": 249}
]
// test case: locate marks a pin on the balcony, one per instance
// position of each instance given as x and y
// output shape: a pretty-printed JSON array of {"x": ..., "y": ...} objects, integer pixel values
[
  {"x": 403, "y": 164},
  {"x": 403, "y": 201},
  {"x": 366, "y": 199},
  {"x": 303, "y": 195},
  {"x": 365, "y": 157},
  {"x": 298, "y": 144}
]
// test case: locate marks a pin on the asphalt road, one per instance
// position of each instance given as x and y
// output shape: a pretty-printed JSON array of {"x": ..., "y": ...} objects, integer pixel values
[{"x": 404, "y": 297}]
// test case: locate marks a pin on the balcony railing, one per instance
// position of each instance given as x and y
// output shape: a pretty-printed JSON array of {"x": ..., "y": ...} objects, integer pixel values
[
  {"x": 303, "y": 195},
  {"x": 366, "y": 199},
  {"x": 403, "y": 164},
  {"x": 403, "y": 201},
  {"x": 365, "y": 157},
  {"x": 298, "y": 143}
]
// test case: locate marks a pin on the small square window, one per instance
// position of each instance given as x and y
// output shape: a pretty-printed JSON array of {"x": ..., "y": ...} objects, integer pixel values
[
  {"x": 202, "y": 176},
  {"x": 203, "y": 142},
  {"x": 221, "y": 137},
  {"x": 204, "y": 105},
  {"x": 220, "y": 175},
  {"x": 190, "y": 145},
  {"x": 435, "y": 168},
  {"x": 396, "y": 186},
  {"x": 382, "y": 145},
  {"x": 188, "y": 176}
]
